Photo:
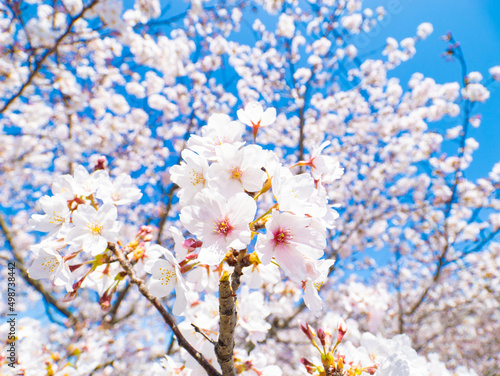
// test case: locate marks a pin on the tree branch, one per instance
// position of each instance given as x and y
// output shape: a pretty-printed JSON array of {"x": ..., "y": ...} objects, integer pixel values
[
  {"x": 169, "y": 320},
  {"x": 49, "y": 299},
  {"x": 227, "y": 315},
  {"x": 44, "y": 57}
]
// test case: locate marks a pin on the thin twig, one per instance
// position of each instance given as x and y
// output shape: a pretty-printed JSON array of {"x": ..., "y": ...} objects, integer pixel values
[
  {"x": 44, "y": 57},
  {"x": 169, "y": 320},
  {"x": 19, "y": 263}
]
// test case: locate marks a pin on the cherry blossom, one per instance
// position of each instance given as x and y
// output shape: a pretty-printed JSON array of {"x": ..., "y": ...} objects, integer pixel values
[
  {"x": 218, "y": 223},
  {"x": 56, "y": 217},
  {"x": 289, "y": 239},
  {"x": 254, "y": 116},
  {"x": 121, "y": 191},
  {"x": 50, "y": 264},
  {"x": 166, "y": 276},
  {"x": 219, "y": 130},
  {"x": 237, "y": 170},
  {"x": 363, "y": 187},
  {"x": 94, "y": 228},
  {"x": 190, "y": 175}
]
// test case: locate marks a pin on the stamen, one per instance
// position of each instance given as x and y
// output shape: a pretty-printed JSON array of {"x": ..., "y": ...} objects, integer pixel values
[
  {"x": 95, "y": 228},
  {"x": 283, "y": 236},
  {"x": 50, "y": 264},
  {"x": 222, "y": 227},
  {"x": 196, "y": 177}
]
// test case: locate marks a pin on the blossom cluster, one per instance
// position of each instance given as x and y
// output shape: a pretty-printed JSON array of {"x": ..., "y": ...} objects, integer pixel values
[
  {"x": 223, "y": 181},
  {"x": 80, "y": 218},
  {"x": 415, "y": 248}
]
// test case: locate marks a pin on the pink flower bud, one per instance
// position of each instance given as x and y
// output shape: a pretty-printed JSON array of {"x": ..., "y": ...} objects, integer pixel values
[
  {"x": 309, "y": 366},
  {"x": 342, "y": 328},
  {"x": 308, "y": 331},
  {"x": 191, "y": 244},
  {"x": 101, "y": 163},
  {"x": 105, "y": 302},
  {"x": 322, "y": 337}
]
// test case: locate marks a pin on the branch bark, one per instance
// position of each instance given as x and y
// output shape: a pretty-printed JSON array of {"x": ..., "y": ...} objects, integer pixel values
[{"x": 227, "y": 316}]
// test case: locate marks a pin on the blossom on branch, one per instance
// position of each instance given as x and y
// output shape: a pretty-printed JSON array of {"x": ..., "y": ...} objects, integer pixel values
[
  {"x": 50, "y": 264},
  {"x": 254, "y": 116},
  {"x": 166, "y": 276},
  {"x": 94, "y": 228},
  {"x": 219, "y": 223},
  {"x": 290, "y": 239}
]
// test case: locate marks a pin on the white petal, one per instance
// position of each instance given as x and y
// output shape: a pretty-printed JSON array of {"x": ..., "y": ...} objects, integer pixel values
[
  {"x": 292, "y": 262},
  {"x": 268, "y": 117},
  {"x": 180, "y": 301},
  {"x": 213, "y": 254},
  {"x": 243, "y": 117}
]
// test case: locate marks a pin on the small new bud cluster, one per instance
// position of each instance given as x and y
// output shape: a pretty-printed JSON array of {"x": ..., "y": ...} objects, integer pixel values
[{"x": 332, "y": 362}]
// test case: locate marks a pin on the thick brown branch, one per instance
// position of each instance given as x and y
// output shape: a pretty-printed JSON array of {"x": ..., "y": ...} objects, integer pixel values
[
  {"x": 227, "y": 315},
  {"x": 169, "y": 320}
]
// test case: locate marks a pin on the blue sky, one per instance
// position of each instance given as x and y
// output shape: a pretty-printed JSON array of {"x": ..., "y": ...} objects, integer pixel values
[{"x": 476, "y": 25}]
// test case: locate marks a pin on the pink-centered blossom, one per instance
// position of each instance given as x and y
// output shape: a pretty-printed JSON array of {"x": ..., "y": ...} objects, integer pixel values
[
  {"x": 290, "y": 240},
  {"x": 220, "y": 223}
]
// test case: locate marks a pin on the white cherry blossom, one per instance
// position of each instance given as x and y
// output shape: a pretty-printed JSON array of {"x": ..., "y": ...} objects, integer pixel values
[
  {"x": 219, "y": 223},
  {"x": 94, "y": 228},
  {"x": 290, "y": 239},
  {"x": 219, "y": 130},
  {"x": 166, "y": 276},
  {"x": 50, "y": 264},
  {"x": 56, "y": 215},
  {"x": 190, "y": 175},
  {"x": 120, "y": 191},
  {"x": 237, "y": 170},
  {"x": 254, "y": 116}
]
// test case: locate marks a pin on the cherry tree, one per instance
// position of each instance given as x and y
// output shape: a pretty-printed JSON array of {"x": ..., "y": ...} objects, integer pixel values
[{"x": 226, "y": 187}]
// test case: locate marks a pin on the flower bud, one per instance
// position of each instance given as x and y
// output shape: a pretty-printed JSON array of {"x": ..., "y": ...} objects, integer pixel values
[
  {"x": 101, "y": 163},
  {"x": 308, "y": 331},
  {"x": 322, "y": 337},
  {"x": 342, "y": 328},
  {"x": 191, "y": 244},
  {"x": 310, "y": 368}
]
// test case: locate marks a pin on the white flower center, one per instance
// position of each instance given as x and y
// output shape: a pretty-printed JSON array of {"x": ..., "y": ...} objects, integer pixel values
[
  {"x": 166, "y": 275},
  {"x": 196, "y": 177},
  {"x": 236, "y": 173},
  {"x": 318, "y": 285},
  {"x": 95, "y": 228},
  {"x": 56, "y": 218},
  {"x": 50, "y": 264}
]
